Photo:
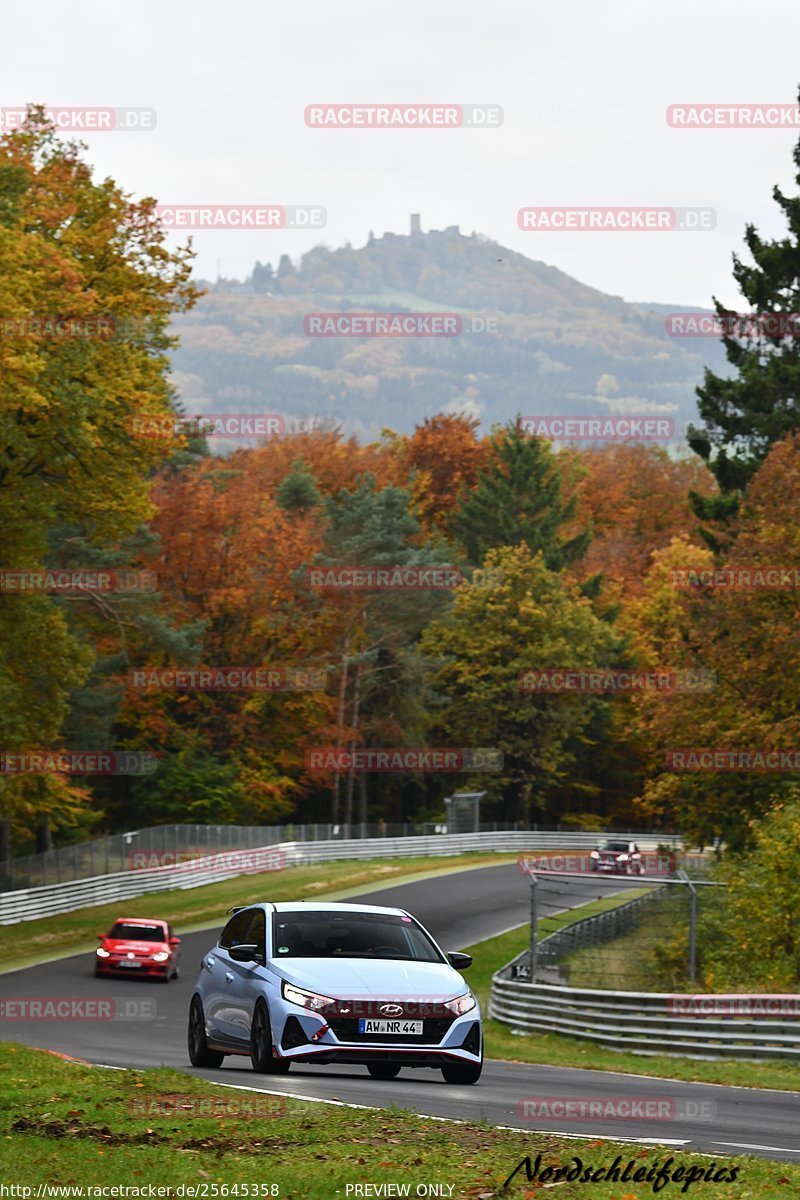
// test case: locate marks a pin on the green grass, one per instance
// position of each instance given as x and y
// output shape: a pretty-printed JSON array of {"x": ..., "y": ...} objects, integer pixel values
[
  {"x": 64, "y": 1123},
  {"x": 559, "y": 1050},
  {"x": 197, "y": 908},
  {"x": 631, "y": 962}
]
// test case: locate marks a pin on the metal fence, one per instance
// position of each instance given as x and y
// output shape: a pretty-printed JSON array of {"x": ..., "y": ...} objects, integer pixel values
[
  {"x": 26, "y": 904},
  {"x": 535, "y": 994},
  {"x": 647, "y": 944},
  {"x": 124, "y": 851}
]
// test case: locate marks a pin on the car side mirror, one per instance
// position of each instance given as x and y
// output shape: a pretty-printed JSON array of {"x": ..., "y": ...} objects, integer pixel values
[
  {"x": 246, "y": 953},
  {"x": 101, "y": 937},
  {"x": 174, "y": 941},
  {"x": 458, "y": 960}
]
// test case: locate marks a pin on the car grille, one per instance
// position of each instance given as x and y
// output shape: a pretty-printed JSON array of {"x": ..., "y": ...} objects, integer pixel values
[{"x": 433, "y": 1030}]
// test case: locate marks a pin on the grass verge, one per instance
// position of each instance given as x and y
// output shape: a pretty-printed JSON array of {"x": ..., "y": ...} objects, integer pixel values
[
  {"x": 63, "y": 1123},
  {"x": 559, "y": 1050}
]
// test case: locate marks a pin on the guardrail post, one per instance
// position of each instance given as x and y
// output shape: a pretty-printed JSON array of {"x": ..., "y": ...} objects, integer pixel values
[
  {"x": 692, "y": 925},
  {"x": 534, "y": 927}
]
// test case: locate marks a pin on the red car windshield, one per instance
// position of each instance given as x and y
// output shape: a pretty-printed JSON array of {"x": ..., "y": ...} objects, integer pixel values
[{"x": 138, "y": 933}]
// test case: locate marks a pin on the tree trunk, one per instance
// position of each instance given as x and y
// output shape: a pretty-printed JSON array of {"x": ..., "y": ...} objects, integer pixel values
[
  {"x": 362, "y": 798},
  {"x": 44, "y": 837},
  {"x": 5, "y": 842},
  {"x": 350, "y": 771},
  {"x": 340, "y": 722}
]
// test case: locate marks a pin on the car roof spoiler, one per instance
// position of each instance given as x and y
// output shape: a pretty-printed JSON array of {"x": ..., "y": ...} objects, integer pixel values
[{"x": 242, "y": 907}]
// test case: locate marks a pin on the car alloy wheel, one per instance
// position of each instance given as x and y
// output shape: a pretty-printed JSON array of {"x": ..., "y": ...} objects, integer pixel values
[
  {"x": 199, "y": 1053},
  {"x": 261, "y": 1055}
]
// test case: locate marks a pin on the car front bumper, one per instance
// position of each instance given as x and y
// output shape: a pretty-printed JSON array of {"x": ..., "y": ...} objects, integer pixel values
[{"x": 304, "y": 1036}]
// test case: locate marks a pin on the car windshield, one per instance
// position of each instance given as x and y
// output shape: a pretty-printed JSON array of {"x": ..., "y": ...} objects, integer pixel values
[
  {"x": 605, "y": 845},
  {"x": 350, "y": 935},
  {"x": 138, "y": 933}
]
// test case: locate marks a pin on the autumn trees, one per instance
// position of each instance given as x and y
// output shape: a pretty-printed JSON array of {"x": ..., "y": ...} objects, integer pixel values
[{"x": 87, "y": 290}]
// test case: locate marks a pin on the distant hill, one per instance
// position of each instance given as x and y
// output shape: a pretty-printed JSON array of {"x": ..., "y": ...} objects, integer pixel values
[{"x": 553, "y": 346}]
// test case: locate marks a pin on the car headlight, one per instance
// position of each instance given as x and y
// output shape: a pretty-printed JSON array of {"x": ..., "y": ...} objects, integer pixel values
[
  {"x": 623, "y": 857},
  {"x": 461, "y": 1004},
  {"x": 310, "y": 1000},
  {"x": 594, "y": 854},
  {"x": 101, "y": 953},
  {"x": 162, "y": 956}
]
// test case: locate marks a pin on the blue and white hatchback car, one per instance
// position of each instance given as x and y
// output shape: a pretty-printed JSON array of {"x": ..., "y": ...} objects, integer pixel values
[{"x": 334, "y": 983}]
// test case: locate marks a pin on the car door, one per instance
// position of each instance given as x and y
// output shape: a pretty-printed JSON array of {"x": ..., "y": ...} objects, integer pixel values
[
  {"x": 224, "y": 1023},
  {"x": 249, "y": 978}
]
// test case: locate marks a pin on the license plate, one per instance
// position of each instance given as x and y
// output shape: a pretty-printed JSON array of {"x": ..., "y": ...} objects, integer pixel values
[
  {"x": 409, "y": 1027},
  {"x": 128, "y": 964}
]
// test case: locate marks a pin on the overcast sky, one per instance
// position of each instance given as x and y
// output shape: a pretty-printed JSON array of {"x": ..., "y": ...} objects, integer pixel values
[{"x": 584, "y": 88}]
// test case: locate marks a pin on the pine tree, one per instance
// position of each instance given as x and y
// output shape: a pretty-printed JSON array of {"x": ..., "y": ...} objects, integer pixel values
[
  {"x": 518, "y": 499},
  {"x": 745, "y": 415},
  {"x": 298, "y": 491}
]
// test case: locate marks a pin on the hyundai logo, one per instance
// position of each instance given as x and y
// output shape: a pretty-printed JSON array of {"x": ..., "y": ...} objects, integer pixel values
[{"x": 390, "y": 1010}]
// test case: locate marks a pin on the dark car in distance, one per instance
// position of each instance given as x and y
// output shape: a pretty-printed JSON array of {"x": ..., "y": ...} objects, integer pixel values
[{"x": 616, "y": 858}]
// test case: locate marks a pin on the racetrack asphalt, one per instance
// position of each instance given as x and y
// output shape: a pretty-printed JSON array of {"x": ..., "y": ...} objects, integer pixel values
[{"x": 459, "y": 908}]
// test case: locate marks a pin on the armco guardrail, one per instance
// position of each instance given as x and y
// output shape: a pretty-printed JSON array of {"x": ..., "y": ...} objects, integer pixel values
[
  {"x": 650, "y": 1022},
  {"x": 155, "y": 845},
  {"x": 26, "y": 904}
]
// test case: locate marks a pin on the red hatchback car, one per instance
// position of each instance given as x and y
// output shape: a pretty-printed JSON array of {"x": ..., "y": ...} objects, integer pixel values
[{"x": 139, "y": 947}]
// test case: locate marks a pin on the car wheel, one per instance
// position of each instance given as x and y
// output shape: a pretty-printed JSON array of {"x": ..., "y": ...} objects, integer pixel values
[
  {"x": 199, "y": 1053},
  {"x": 462, "y": 1072},
  {"x": 261, "y": 1044},
  {"x": 383, "y": 1070},
  {"x": 176, "y": 974}
]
